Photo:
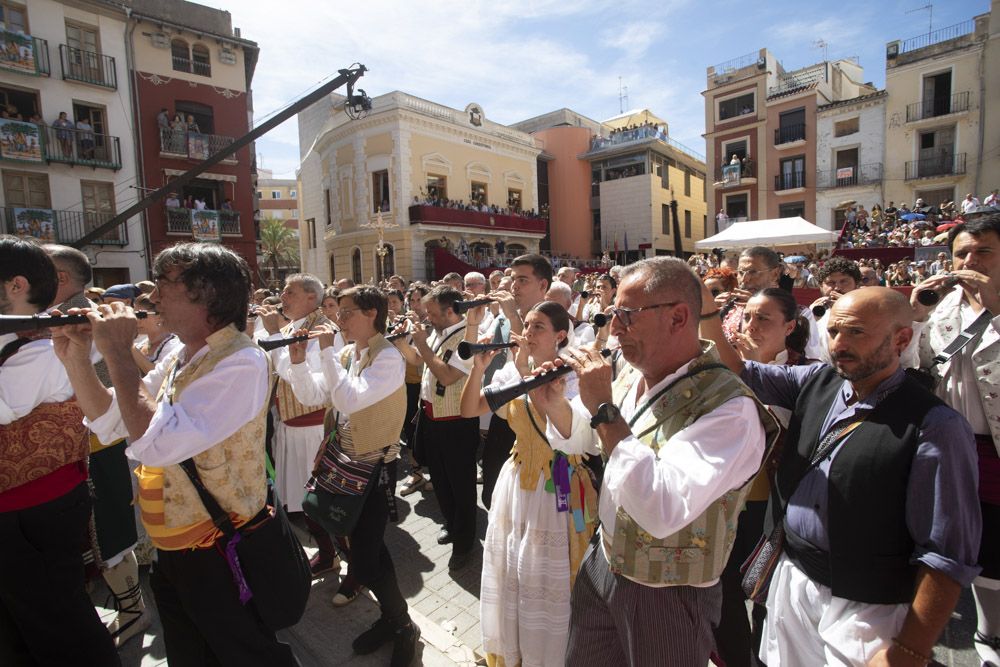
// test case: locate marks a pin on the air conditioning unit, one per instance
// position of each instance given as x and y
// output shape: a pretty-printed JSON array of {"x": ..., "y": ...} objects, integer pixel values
[
  {"x": 160, "y": 40},
  {"x": 892, "y": 50},
  {"x": 227, "y": 56}
]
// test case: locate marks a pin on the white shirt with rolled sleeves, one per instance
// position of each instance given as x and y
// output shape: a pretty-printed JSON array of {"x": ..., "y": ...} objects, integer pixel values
[
  {"x": 208, "y": 411},
  {"x": 31, "y": 376},
  {"x": 666, "y": 490}
]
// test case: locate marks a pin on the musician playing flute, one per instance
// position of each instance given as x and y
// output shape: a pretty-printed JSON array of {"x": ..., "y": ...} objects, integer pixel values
[{"x": 682, "y": 438}]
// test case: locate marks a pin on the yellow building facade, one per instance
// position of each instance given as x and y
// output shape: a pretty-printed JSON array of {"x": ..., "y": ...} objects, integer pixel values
[{"x": 357, "y": 175}]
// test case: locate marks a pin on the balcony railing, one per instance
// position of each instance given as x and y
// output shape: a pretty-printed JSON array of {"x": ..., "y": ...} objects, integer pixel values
[
  {"x": 192, "y": 66},
  {"x": 947, "y": 164},
  {"x": 193, "y": 145},
  {"x": 846, "y": 177},
  {"x": 789, "y": 133},
  {"x": 85, "y": 147},
  {"x": 24, "y": 54},
  {"x": 940, "y": 35},
  {"x": 492, "y": 222},
  {"x": 88, "y": 67},
  {"x": 727, "y": 173},
  {"x": 56, "y": 226},
  {"x": 795, "y": 179},
  {"x": 937, "y": 106},
  {"x": 179, "y": 221}
]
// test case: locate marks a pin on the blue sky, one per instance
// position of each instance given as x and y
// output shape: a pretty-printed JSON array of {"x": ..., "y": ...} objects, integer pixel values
[{"x": 522, "y": 58}]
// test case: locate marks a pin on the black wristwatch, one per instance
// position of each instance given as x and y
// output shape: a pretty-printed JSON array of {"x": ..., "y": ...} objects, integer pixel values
[{"x": 606, "y": 413}]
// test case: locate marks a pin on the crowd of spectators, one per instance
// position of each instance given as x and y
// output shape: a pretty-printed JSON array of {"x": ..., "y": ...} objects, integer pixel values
[
  {"x": 478, "y": 206},
  {"x": 903, "y": 226}
]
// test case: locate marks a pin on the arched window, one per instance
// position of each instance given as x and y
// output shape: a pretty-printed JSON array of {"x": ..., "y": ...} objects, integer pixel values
[
  {"x": 516, "y": 249},
  {"x": 385, "y": 266},
  {"x": 200, "y": 62},
  {"x": 356, "y": 266},
  {"x": 181, "y": 56}
]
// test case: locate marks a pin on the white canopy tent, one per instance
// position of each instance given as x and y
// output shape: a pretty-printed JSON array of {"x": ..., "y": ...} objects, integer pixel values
[{"x": 777, "y": 232}]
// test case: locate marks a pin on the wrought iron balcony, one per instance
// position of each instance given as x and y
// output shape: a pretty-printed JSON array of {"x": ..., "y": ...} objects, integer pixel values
[
  {"x": 491, "y": 222},
  {"x": 794, "y": 179},
  {"x": 789, "y": 133},
  {"x": 85, "y": 147},
  {"x": 192, "y": 66},
  {"x": 55, "y": 226},
  {"x": 937, "y": 106},
  {"x": 88, "y": 67},
  {"x": 179, "y": 222},
  {"x": 846, "y": 177},
  {"x": 193, "y": 145},
  {"x": 728, "y": 174},
  {"x": 24, "y": 54},
  {"x": 947, "y": 164}
]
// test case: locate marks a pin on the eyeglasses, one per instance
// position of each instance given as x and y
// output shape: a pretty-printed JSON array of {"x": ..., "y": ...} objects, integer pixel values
[
  {"x": 160, "y": 281},
  {"x": 344, "y": 313},
  {"x": 624, "y": 315}
]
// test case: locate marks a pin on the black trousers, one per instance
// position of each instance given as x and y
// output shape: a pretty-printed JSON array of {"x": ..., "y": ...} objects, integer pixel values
[
  {"x": 409, "y": 423},
  {"x": 450, "y": 450},
  {"x": 46, "y": 616},
  {"x": 737, "y": 640},
  {"x": 496, "y": 451},
  {"x": 371, "y": 563},
  {"x": 202, "y": 618}
]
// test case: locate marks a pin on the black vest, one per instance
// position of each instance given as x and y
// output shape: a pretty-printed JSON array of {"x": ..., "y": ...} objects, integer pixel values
[{"x": 870, "y": 545}]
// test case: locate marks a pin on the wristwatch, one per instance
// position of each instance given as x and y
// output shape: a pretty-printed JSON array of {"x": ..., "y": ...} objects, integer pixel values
[{"x": 606, "y": 413}]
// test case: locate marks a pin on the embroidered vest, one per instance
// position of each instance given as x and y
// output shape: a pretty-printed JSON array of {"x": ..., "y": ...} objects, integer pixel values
[
  {"x": 378, "y": 426},
  {"x": 698, "y": 552},
  {"x": 289, "y": 407},
  {"x": 450, "y": 403},
  {"x": 232, "y": 470}
]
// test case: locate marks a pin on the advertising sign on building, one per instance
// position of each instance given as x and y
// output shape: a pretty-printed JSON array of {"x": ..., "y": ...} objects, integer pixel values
[
  {"x": 17, "y": 52},
  {"x": 20, "y": 141},
  {"x": 731, "y": 174},
  {"x": 205, "y": 225},
  {"x": 845, "y": 173},
  {"x": 36, "y": 222}
]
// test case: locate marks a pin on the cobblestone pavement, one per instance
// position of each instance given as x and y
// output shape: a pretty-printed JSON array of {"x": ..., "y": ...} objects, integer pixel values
[{"x": 444, "y": 605}]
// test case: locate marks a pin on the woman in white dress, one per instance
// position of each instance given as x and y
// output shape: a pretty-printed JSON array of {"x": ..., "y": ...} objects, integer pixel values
[{"x": 542, "y": 515}]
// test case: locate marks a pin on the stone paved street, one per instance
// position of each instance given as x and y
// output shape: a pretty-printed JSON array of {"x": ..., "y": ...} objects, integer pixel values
[{"x": 445, "y": 607}]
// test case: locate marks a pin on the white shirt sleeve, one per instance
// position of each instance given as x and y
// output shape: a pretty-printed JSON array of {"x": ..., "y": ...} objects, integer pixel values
[
  {"x": 581, "y": 439},
  {"x": 352, "y": 392},
  {"x": 207, "y": 412},
  {"x": 31, "y": 376},
  {"x": 664, "y": 491}
]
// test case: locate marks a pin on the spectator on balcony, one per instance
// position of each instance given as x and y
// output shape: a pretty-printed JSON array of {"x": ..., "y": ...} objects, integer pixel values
[
  {"x": 163, "y": 119},
  {"x": 178, "y": 132},
  {"x": 734, "y": 161},
  {"x": 992, "y": 199},
  {"x": 173, "y": 201},
  {"x": 721, "y": 219},
  {"x": 227, "y": 205},
  {"x": 36, "y": 119},
  {"x": 199, "y": 204},
  {"x": 64, "y": 133},
  {"x": 192, "y": 124},
  {"x": 85, "y": 135},
  {"x": 970, "y": 203}
]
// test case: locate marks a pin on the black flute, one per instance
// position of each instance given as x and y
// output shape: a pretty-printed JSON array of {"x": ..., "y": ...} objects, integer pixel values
[
  {"x": 15, "y": 323},
  {"x": 497, "y": 397}
]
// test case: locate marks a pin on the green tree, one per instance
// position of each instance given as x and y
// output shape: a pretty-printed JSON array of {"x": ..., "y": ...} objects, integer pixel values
[{"x": 279, "y": 246}]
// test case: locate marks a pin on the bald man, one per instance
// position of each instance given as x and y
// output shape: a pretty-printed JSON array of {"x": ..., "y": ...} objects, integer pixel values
[{"x": 875, "y": 489}]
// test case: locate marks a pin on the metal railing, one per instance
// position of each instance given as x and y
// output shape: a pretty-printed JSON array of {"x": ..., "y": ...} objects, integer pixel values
[
  {"x": 58, "y": 226},
  {"x": 179, "y": 222},
  {"x": 798, "y": 79},
  {"x": 726, "y": 174},
  {"x": 74, "y": 146},
  {"x": 789, "y": 133},
  {"x": 737, "y": 63},
  {"x": 846, "y": 177},
  {"x": 795, "y": 179},
  {"x": 938, "y": 106},
  {"x": 946, "y": 164},
  {"x": 191, "y": 66},
  {"x": 937, "y": 36},
  {"x": 88, "y": 67},
  {"x": 194, "y": 145},
  {"x": 25, "y": 54}
]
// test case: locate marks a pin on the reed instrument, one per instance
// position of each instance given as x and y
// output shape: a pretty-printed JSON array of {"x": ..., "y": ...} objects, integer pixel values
[
  {"x": 461, "y": 306},
  {"x": 497, "y": 397},
  {"x": 466, "y": 349},
  {"x": 931, "y": 297},
  {"x": 268, "y": 345},
  {"x": 15, "y": 323}
]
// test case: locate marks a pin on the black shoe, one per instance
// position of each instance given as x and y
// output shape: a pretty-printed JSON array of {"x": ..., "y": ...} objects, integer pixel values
[
  {"x": 459, "y": 559},
  {"x": 444, "y": 537},
  {"x": 404, "y": 645},
  {"x": 371, "y": 639}
]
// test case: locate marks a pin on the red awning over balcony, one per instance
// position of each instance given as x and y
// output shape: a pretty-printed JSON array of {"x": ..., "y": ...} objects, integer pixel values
[{"x": 453, "y": 217}]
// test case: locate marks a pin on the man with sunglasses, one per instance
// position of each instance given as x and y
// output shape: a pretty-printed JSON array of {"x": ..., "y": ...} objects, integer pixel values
[{"x": 682, "y": 437}]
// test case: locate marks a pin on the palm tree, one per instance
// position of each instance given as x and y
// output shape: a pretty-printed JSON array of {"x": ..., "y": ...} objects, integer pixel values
[{"x": 278, "y": 245}]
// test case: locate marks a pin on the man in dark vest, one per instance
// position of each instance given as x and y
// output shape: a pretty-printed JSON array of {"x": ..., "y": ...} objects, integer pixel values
[{"x": 876, "y": 490}]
